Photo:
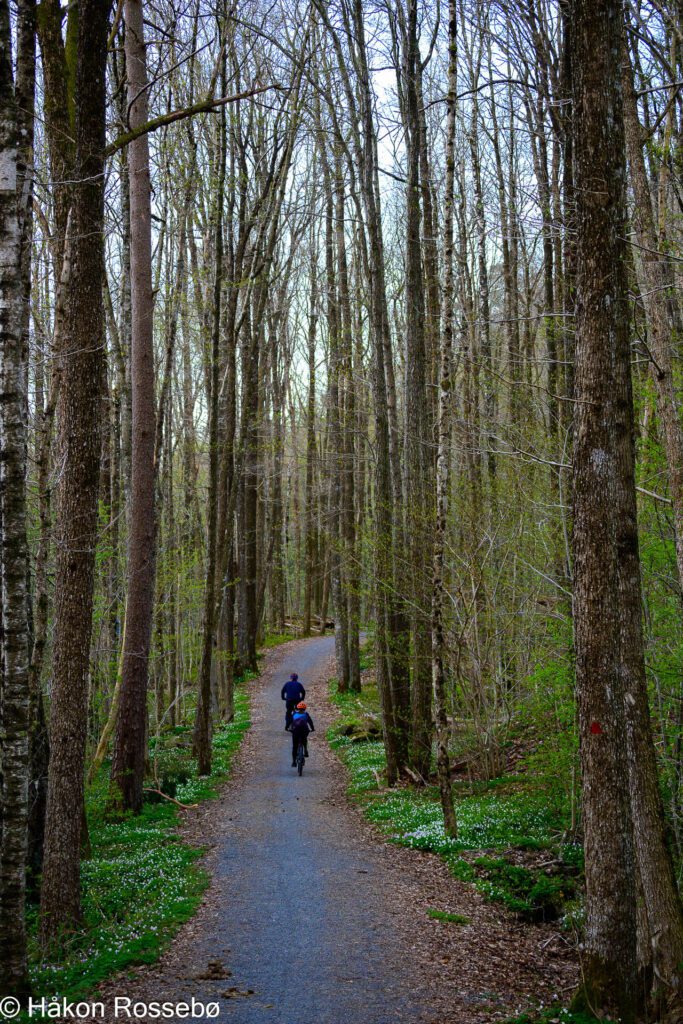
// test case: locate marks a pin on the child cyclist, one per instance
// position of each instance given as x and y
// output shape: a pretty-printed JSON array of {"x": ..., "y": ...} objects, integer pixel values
[{"x": 300, "y": 726}]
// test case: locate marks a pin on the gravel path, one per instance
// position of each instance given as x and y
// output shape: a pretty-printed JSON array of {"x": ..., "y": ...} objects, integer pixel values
[
  {"x": 310, "y": 920},
  {"x": 302, "y": 922}
]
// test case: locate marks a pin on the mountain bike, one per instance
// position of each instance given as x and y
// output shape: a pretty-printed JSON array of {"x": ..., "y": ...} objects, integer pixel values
[{"x": 300, "y": 757}]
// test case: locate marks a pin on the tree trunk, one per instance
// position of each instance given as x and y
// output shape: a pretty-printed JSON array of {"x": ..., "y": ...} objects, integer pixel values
[
  {"x": 346, "y": 427},
  {"x": 79, "y": 436},
  {"x": 609, "y": 959},
  {"x": 248, "y": 506},
  {"x": 335, "y": 443},
  {"x": 38, "y": 740},
  {"x": 661, "y": 899},
  {"x": 310, "y": 450},
  {"x": 130, "y": 743},
  {"x": 389, "y": 632},
  {"x": 14, "y": 631},
  {"x": 202, "y": 726},
  {"x": 443, "y": 451},
  {"x": 654, "y": 288},
  {"x": 59, "y": 72},
  {"x": 417, "y": 459}
]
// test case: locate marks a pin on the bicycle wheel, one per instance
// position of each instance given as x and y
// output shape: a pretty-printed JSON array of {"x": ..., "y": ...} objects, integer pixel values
[{"x": 300, "y": 759}]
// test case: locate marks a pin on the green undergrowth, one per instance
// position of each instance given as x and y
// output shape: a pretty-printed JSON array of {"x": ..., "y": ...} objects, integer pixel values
[
  {"x": 275, "y": 639},
  {"x": 141, "y": 881},
  {"x": 509, "y": 841},
  {"x": 533, "y": 895},
  {"x": 553, "y": 1015}
]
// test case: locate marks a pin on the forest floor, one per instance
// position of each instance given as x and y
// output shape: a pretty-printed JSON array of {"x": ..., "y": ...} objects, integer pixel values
[{"x": 312, "y": 917}]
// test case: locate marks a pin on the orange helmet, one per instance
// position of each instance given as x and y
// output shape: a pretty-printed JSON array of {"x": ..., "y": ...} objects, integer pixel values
[{"x": 301, "y": 706}]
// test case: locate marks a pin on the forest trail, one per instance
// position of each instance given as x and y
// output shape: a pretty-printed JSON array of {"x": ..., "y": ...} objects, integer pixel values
[
  {"x": 311, "y": 918},
  {"x": 302, "y": 922},
  {"x": 296, "y": 911}
]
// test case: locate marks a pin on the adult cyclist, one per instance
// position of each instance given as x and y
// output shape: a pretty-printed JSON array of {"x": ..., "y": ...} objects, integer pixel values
[{"x": 292, "y": 692}]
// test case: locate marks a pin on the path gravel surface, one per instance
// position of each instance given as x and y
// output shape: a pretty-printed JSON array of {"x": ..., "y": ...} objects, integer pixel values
[{"x": 311, "y": 918}]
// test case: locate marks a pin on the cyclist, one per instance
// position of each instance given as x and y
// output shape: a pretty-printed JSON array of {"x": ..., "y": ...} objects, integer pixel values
[
  {"x": 292, "y": 692},
  {"x": 301, "y": 725}
]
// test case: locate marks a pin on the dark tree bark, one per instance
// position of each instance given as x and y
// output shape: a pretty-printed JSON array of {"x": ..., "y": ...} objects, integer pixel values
[
  {"x": 663, "y": 951},
  {"x": 59, "y": 73},
  {"x": 128, "y": 763},
  {"x": 80, "y": 442},
  {"x": 609, "y": 958},
  {"x": 660, "y": 896},
  {"x": 417, "y": 459}
]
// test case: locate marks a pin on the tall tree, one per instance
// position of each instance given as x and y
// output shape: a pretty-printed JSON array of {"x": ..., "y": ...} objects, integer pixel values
[
  {"x": 310, "y": 446},
  {"x": 335, "y": 441},
  {"x": 418, "y": 461},
  {"x": 25, "y": 91},
  {"x": 443, "y": 454},
  {"x": 128, "y": 764},
  {"x": 202, "y": 729},
  {"x": 14, "y": 631},
  {"x": 609, "y": 957},
  {"x": 347, "y": 405},
  {"x": 662, "y": 901},
  {"x": 656, "y": 294},
  {"x": 662, "y": 943},
  {"x": 80, "y": 444}
]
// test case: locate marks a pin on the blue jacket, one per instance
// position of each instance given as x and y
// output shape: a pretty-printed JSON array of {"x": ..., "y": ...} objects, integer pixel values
[
  {"x": 293, "y": 690},
  {"x": 302, "y": 723}
]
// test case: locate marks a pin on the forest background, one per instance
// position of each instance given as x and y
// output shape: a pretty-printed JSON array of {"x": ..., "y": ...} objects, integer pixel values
[{"x": 298, "y": 289}]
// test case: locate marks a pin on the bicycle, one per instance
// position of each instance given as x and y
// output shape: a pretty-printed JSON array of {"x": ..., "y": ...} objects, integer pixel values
[
  {"x": 300, "y": 757},
  {"x": 291, "y": 705}
]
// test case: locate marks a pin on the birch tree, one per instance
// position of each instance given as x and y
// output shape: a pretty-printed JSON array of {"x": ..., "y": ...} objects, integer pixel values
[{"x": 14, "y": 633}]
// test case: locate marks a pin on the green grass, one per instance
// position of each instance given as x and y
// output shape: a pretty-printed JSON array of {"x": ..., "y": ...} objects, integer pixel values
[
  {"x": 447, "y": 917},
  {"x": 141, "y": 882},
  {"x": 510, "y": 816}
]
